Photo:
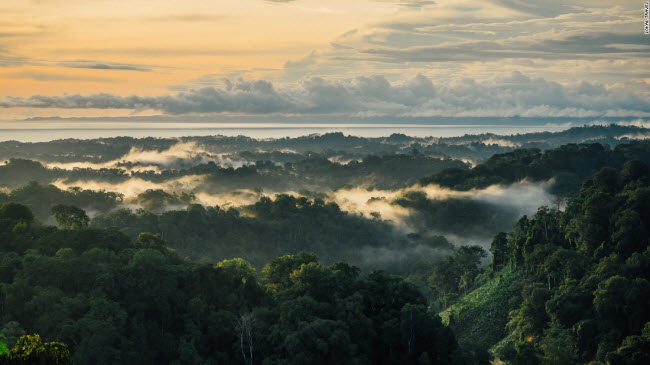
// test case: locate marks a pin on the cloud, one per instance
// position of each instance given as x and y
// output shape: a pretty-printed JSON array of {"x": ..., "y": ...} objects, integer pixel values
[
  {"x": 410, "y": 4},
  {"x": 546, "y": 10},
  {"x": 190, "y": 17},
  {"x": 53, "y": 76},
  {"x": 95, "y": 65},
  {"x": 179, "y": 155},
  {"x": 7, "y": 60},
  {"x": 308, "y": 60},
  {"x": 500, "y": 206},
  {"x": 580, "y": 46},
  {"x": 416, "y": 4},
  {"x": 561, "y": 41},
  {"x": 515, "y": 95},
  {"x": 635, "y": 136}
]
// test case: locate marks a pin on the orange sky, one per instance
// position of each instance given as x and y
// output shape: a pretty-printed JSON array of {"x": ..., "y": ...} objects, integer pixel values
[
  {"x": 162, "y": 47},
  {"x": 176, "y": 40}
]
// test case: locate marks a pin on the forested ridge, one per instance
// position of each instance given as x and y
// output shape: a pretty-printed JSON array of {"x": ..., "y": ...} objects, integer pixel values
[
  {"x": 568, "y": 287},
  {"x": 389, "y": 171},
  {"x": 569, "y": 165},
  {"x": 169, "y": 285},
  {"x": 116, "y": 300},
  {"x": 476, "y": 147}
]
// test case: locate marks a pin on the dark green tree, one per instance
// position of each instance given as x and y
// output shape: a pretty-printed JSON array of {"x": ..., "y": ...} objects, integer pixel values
[{"x": 70, "y": 216}]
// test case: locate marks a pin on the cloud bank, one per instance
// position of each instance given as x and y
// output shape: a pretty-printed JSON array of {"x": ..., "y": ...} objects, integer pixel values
[{"x": 515, "y": 95}]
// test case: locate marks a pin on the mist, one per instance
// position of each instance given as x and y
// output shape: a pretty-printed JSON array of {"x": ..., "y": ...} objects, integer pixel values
[
  {"x": 179, "y": 155},
  {"x": 507, "y": 203},
  {"x": 478, "y": 214}
]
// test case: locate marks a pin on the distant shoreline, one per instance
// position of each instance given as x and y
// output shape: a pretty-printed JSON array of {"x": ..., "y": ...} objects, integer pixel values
[{"x": 49, "y": 134}]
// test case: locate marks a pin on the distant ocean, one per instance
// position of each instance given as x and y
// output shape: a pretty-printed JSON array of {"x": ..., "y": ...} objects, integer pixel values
[{"x": 255, "y": 130}]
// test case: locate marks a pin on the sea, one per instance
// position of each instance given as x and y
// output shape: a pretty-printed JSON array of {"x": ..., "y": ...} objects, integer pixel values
[{"x": 43, "y": 132}]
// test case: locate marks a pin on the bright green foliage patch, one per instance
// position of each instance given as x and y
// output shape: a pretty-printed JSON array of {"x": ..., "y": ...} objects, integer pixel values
[
  {"x": 3, "y": 346},
  {"x": 479, "y": 318},
  {"x": 30, "y": 349}
]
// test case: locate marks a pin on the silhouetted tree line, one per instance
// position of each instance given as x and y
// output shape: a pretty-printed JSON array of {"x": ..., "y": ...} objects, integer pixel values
[
  {"x": 387, "y": 171},
  {"x": 569, "y": 165},
  {"x": 329, "y": 145}
]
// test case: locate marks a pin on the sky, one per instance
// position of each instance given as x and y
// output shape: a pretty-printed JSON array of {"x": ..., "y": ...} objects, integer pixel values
[{"x": 334, "y": 59}]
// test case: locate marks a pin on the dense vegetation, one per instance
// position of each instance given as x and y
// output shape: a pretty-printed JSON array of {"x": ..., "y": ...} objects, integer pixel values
[
  {"x": 30, "y": 349},
  {"x": 390, "y": 171},
  {"x": 41, "y": 198},
  {"x": 569, "y": 287},
  {"x": 157, "y": 278},
  {"x": 330, "y": 145},
  {"x": 314, "y": 163},
  {"x": 117, "y": 300},
  {"x": 273, "y": 227},
  {"x": 569, "y": 165}
]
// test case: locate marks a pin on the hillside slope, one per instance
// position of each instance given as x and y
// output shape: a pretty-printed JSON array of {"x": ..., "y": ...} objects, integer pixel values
[{"x": 479, "y": 319}]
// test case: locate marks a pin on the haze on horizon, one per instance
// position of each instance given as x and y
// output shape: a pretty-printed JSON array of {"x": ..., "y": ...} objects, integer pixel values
[{"x": 367, "y": 59}]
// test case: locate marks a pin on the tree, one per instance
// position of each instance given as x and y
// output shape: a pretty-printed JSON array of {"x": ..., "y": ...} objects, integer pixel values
[
  {"x": 30, "y": 349},
  {"x": 499, "y": 250},
  {"x": 321, "y": 341},
  {"x": 558, "y": 346},
  {"x": 629, "y": 234},
  {"x": 634, "y": 350},
  {"x": 70, "y": 217},
  {"x": 635, "y": 170},
  {"x": 11, "y": 332},
  {"x": 148, "y": 240},
  {"x": 456, "y": 273},
  {"x": 155, "y": 199},
  {"x": 276, "y": 274},
  {"x": 16, "y": 212},
  {"x": 423, "y": 334},
  {"x": 239, "y": 269},
  {"x": 246, "y": 328}
]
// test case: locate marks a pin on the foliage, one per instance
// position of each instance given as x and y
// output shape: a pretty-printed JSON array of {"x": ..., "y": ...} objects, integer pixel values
[
  {"x": 3, "y": 346},
  {"x": 568, "y": 165},
  {"x": 456, "y": 273},
  {"x": 70, "y": 217},
  {"x": 566, "y": 286},
  {"x": 277, "y": 226},
  {"x": 583, "y": 278},
  {"x": 479, "y": 318},
  {"x": 117, "y": 300},
  {"x": 41, "y": 198},
  {"x": 30, "y": 349},
  {"x": 156, "y": 200}
]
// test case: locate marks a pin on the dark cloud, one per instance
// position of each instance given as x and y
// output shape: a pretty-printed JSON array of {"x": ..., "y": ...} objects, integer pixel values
[
  {"x": 410, "y": 4},
  {"x": 8, "y": 60},
  {"x": 516, "y": 95},
  {"x": 104, "y": 66},
  {"x": 545, "y": 9},
  {"x": 583, "y": 46},
  {"x": 417, "y": 4},
  {"x": 49, "y": 76}
]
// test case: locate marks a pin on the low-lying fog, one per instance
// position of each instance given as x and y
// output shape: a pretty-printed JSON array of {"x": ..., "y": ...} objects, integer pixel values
[{"x": 475, "y": 215}]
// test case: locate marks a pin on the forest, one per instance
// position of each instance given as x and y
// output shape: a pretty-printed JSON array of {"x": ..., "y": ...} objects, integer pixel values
[{"x": 328, "y": 249}]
